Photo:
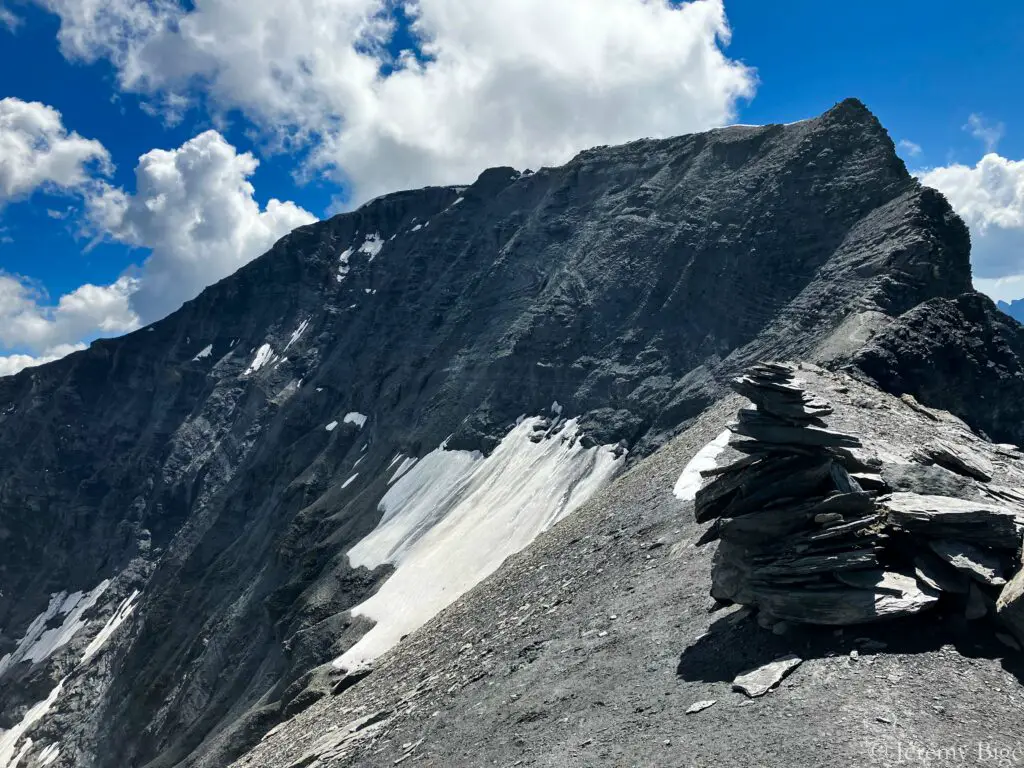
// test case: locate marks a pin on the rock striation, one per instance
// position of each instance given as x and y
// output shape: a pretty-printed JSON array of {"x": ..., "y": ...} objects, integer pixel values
[{"x": 808, "y": 534}]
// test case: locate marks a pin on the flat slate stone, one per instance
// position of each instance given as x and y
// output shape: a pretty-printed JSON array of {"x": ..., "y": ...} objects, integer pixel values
[
  {"x": 816, "y": 564},
  {"x": 799, "y": 436},
  {"x": 883, "y": 581},
  {"x": 929, "y": 480},
  {"x": 1010, "y": 606},
  {"x": 977, "y": 563},
  {"x": 757, "y": 682},
  {"x": 840, "y": 605},
  {"x": 940, "y": 575},
  {"x": 700, "y": 706},
  {"x": 942, "y": 517},
  {"x": 960, "y": 459}
]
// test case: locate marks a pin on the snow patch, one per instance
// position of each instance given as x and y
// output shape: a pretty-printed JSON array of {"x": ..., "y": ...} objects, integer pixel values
[
  {"x": 348, "y": 482},
  {"x": 706, "y": 458},
  {"x": 404, "y": 467},
  {"x": 455, "y": 517},
  {"x": 556, "y": 408},
  {"x": 372, "y": 245},
  {"x": 343, "y": 267},
  {"x": 332, "y": 426},
  {"x": 417, "y": 228},
  {"x": 204, "y": 352},
  {"x": 124, "y": 610},
  {"x": 49, "y": 755},
  {"x": 39, "y": 642},
  {"x": 297, "y": 333},
  {"x": 263, "y": 356},
  {"x": 355, "y": 417},
  {"x": 9, "y": 739}
]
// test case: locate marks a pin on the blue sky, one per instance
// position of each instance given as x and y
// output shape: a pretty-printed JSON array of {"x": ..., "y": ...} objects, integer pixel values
[{"x": 923, "y": 68}]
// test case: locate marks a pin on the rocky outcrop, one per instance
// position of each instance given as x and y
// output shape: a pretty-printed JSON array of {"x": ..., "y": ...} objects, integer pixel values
[
  {"x": 961, "y": 355},
  {"x": 804, "y": 542}
]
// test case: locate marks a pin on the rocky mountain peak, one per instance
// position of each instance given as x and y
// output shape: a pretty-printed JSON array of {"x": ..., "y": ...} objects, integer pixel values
[{"x": 235, "y": 504}]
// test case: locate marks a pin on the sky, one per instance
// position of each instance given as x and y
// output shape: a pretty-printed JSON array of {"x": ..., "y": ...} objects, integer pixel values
[{"x": 149, "y": 148}]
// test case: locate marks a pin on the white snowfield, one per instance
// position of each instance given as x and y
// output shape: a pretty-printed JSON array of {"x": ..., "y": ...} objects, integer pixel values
[
  {"x": 48, "y": 755},
  {"x": 706, "y": 458},
  {"x": 455, "y": 516},
  {"x": 343, "y": 267},
  {"x": 204, "y": 352}
]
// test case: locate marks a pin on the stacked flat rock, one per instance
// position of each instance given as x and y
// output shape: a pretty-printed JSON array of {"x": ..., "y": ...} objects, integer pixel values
[{"x": 804, "y": 540}]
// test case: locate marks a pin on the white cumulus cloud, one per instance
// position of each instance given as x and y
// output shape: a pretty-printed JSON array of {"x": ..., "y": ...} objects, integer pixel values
[
  {"x": 37, "y": 151},
  {"x": 193, "y": 210},
  {"x": 990, "y": 197},
  {"x": 524, "y": 83},
  {"x": 28, "y": 321}
]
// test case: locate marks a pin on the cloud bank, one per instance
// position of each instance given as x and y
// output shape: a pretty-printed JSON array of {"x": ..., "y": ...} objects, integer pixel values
[{"x": 520, "y": 83}]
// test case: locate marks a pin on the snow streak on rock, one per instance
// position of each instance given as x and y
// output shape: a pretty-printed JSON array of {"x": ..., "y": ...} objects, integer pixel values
[
  {"x": 124, "y": 610},
  {"x": 297, "y": 333},
  {"x": 204, "y": 352},
  {"x": 372, "y": 245},
  {"x": 454, "y": 518},
  {"x": 10, "y": 753},
  {"x": 706, "y": 458},
  {"x": 39, "y": 642},
  {"x": 263, "y": 356},
  {"x": 49, "y": 755}
]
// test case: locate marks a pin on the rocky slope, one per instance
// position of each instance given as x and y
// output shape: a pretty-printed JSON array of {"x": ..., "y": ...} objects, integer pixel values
[
  {"x": 588, "y": 647},
  {"x": 189, "y": 514}
]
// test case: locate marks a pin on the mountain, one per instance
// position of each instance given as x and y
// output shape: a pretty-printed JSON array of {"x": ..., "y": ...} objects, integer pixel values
[
  {"x": 209, "y": 525},
  {"x": 1014, "y": 309}
]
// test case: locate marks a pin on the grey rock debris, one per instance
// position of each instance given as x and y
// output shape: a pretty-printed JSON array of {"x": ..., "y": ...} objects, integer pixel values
[{"x": 757, "y": 682}]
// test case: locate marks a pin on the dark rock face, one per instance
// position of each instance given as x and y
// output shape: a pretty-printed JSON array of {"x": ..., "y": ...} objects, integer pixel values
[
  {"x": 958, "y": 354},
  {"x": 190, "y": 460}
]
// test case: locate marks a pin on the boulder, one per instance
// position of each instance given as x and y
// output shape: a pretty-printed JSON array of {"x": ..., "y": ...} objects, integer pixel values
[
  {"x": 758, "y": 681},
  {"x": 1010, "y": 606},
  {"x": 981, "y": 565}
]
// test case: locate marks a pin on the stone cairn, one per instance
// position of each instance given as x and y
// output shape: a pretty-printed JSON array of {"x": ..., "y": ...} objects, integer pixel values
[{"x": 809, "y": 535}]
